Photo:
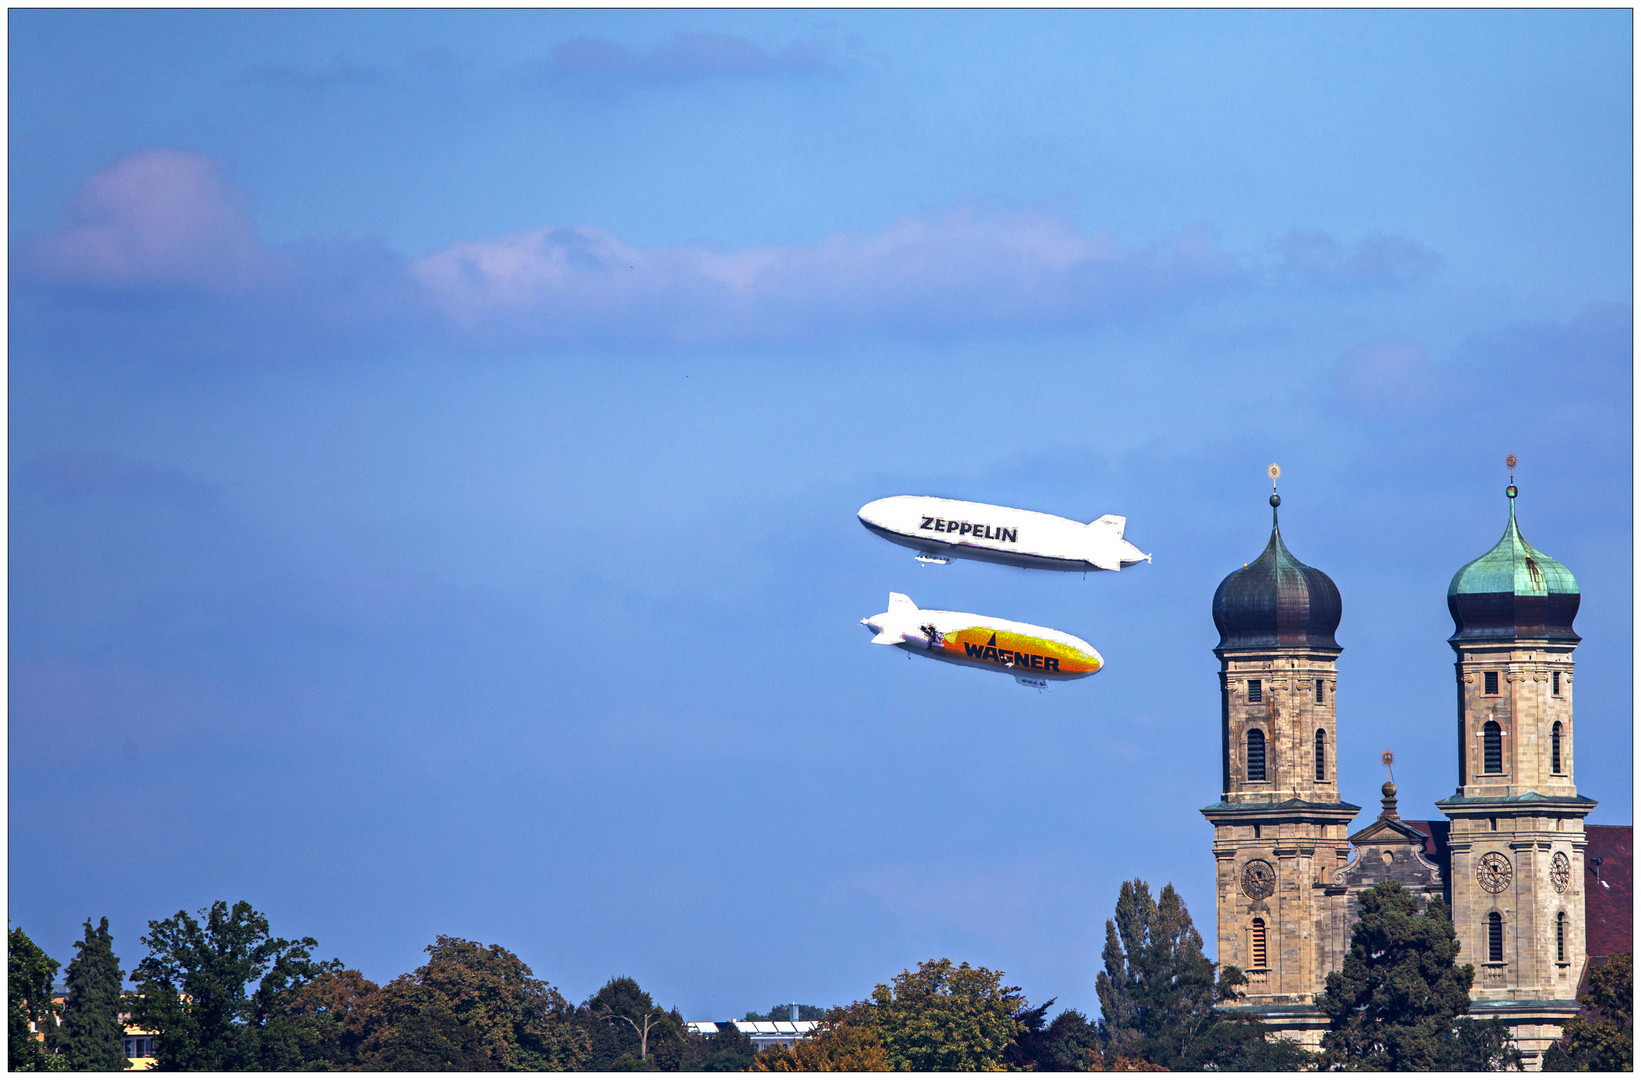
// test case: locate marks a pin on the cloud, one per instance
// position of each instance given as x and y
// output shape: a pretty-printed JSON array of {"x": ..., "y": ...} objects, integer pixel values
[
  {"x": 164, "y": 224},
  {"x": 960, "y": 268},
  {"x": 687, "y": 56},
  {"x": 157, "y": 219},
  {"x": 1392, "y": 375},
  {"x": 1379, "y": 260}
]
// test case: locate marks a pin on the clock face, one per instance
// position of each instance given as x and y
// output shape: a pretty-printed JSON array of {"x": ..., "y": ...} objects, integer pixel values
[
  {"x": 1494, "y": 872},
  {"x": 1258, "y": 879},
  {"x": 1561, "y": 871}
]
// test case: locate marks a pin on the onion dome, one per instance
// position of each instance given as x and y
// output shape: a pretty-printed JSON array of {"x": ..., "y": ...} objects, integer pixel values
[
  {"x": 1277, "y": 601},
  {"x": 1513, "y": 591}
]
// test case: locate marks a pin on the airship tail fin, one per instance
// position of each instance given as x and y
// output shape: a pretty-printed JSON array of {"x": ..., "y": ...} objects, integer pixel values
[
  {"x": 1113, "y": 524},
  {"x": 900, "y": 603},
  {"x": 887, "y": 638}
]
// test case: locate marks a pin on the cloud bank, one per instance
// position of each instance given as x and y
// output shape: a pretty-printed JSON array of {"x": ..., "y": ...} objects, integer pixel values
[{"x": 166, "y": 227}]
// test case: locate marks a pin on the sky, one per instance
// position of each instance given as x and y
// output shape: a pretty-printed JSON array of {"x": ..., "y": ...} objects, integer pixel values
[{"x": 435, "y": 440}]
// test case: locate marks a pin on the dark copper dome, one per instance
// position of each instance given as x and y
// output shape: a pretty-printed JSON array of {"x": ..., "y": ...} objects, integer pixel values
[{"x": 1277, "y": 601}]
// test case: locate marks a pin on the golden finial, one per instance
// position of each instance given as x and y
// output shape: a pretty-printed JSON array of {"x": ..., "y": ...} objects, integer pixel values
[
  {"x": 1388, "y": 758},
  {"x": 1273, "y": 472},
  {"x": 1510, "y": 462}
]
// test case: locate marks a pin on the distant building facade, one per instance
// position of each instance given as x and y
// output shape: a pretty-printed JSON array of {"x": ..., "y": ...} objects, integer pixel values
[
  {"x": 762, "y": 1032},
  {"x": 1513, "y": 860}
]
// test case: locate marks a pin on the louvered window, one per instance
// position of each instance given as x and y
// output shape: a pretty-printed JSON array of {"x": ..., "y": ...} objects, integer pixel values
[
  {"x": 1561, "y": 937},
  {"x": 1495, "y": 937},
  {"x": 1555, "y": 747},
  {"x": 1555, "y": 682},
  {"x": 1321, "y": 755},
  {"x": 1492, "y": 749},
  {"x": 1319, "y": 685},
  {"x": 1256, "y": 690},
  {"x": 1489, "y": 682},
  {"x": 1257, "y": 937},
  {"x": 1256, "y": 754}
]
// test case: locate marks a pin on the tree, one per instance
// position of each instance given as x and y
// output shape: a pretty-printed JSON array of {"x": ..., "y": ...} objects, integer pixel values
[
  {"x": 946, "y": 1017},
  {"x": 320, "y": 1024},
  {"x": 470, "y": 1007},
  {"x": 846, "y": 1040},
  {"x": 93, "y": 1037},
  {"x": 1160, "y": 999},
  {"x": 629, "y": 1031},
  {"x": 1399, "y": 1001},
  {"x": 31, "y": 1017},
  {"x": 1070, "y": 1044},
  {"x": 195, "y": 985},
  {"x": 1601, "y": 1038},
  {"x": 730, "y": 1050}
]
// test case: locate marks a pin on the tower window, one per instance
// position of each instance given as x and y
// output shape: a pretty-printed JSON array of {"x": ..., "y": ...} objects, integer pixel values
[
  {"x": 1495, "y": 937},
  {"x": 1555, "y": 683},
  {"x": 1319, "y": 685},
  {"x": 1492, "y": 749},
  {"x": 1489, "y": 682},
  {"x": 1561, "y": 937},
  {"x": 1258, "y": 942},
  {"x": 1555, "y": 747},
  {"x": 1321, "y": 754},
  {"x": 1256, "y": 754},
  {"x": 1256, "y": 690}
]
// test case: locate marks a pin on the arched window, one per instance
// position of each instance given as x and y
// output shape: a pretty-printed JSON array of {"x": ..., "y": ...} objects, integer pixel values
[
  {"x": 1555, "y": 747},
  {"x": 1257, "y": 940},
  {"x": 1256, "y": 754},
  {"x": 1495, "y": 937},
  {"x": 1492, "y": 749},
  {"x": 1321, "y": 755},
  {"x": 1561, "y": 937}
]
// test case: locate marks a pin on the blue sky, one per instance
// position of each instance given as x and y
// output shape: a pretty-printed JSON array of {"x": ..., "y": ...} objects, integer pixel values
[{"x": 435, "y": 439}]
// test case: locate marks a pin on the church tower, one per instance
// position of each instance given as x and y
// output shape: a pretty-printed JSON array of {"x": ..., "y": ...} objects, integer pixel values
[
  {"x": 1517, "y": 836},
  {"x": 1279, "y": 827}
]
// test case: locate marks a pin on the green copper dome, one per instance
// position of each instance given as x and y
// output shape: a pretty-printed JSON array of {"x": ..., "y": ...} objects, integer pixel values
[{"x": 1513, "y": 591}]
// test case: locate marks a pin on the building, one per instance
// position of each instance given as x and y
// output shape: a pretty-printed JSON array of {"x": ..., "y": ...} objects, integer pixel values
[
  {"x": 762, "y": 1032},
  {"x": 1287, "y": 877}
]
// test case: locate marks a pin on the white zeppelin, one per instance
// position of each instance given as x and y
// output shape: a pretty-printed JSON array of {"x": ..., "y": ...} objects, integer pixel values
[
  {"x": 943, "y": 529},
  {"x": 1034, "y": 655}
]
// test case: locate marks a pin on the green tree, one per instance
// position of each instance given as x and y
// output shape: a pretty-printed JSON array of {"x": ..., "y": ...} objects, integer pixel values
[
  {"x": 1160, "y": 999},
  {"x": 30, "y": 1009},
  {"x": 1602, "y": 1037},
  {"x": 470, "y": 1007},
  {"x": 93, "y": 1037},
  {"x": 209, "y": 989},
  {"x": 1070, "y": 1044},
  {"x": 628, "y": 1030},
  {"x": 946, "y": 1017},
  {"x": 1398, "y": 1003}
]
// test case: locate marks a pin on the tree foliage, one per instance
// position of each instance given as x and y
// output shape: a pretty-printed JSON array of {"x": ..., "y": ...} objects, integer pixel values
[
  {"x": 629, "y": 1031},
  {"x": 1602, "y": 1037},
  {"x": 93, "y": 1039},
  {"x": 1071, "y": 1043},
  {"x": 209, "y": 988},
  {"x": 846, "y": 1040},
  {"x": 946, "y": 1017},
  {"x": 1398, "y": 1004},
  {"x": 1158, "y": 994},
  {"x": 470, "y": 1007},
  {"x": 29, "y": 976}
]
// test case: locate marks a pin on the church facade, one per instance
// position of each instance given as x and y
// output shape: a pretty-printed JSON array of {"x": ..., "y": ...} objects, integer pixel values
[{"x": 1510, "y": 867}]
